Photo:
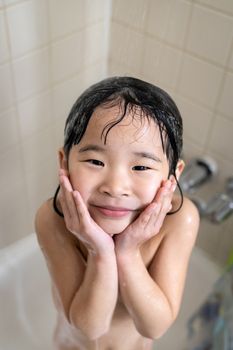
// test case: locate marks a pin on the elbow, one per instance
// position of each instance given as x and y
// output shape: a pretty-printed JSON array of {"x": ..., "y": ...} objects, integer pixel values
[
  {"x": 93, "y": 334},
  {"x": 155, "y": 331},
  {"x": 153, "y": 334},
  {"x": 89, "y": 330}
]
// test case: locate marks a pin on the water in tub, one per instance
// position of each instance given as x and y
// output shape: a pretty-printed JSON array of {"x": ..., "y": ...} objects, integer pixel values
[{"x": 27, "y": 313}]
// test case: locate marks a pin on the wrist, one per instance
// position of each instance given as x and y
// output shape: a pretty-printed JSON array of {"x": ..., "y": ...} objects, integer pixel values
[
  {"x": 126, "y": 255},
  {"x": 102, "y": 253}
]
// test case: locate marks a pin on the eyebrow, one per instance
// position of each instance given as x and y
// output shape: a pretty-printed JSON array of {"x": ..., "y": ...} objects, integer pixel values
[
  {"x": 149, "y": 156},
  {"x": 91, "y": 148},
  {"x": 98, "y": 148}
]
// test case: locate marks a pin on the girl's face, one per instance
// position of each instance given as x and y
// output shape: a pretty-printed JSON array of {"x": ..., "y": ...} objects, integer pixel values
[{"x": 117, "y": 180}]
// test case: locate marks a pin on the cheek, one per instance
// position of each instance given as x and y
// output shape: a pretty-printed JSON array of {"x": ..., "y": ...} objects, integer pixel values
[
  {"x": 79, "y": 183},
  {"x": 149, "y": 191}
]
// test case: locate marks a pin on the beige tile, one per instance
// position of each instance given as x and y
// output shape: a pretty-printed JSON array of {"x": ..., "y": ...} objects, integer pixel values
[
  {"x": 8, "y": 129},
  {"x": 94, "y": 73},
  {"x": 12, "y": 171},
  {"x": 221, "y": 140},
  {"x": 126, "y": 46},
  {"x": 225, "y": 167},
  {"x": 210, "y": 34},
  {"x": 64, "y": 96},
  {"x": 96, "y": 10},
  {"x": 200, "y": 81},
  {"x": 191, "y": 149},
  {"x": 37, "y": 149},
  {"x": 6, "y": 87},
  {"x": 132, "y": 13},
  {"x": 178, "y": 22},
  {"x": 70, "y": 16},
  {"x": 223, "y": 5},
  {"x": 68, "y": 56},
  {"x": 158, "y": 17},
  {"x": 151, "y": 58},
  {"x": 225, "y": 240},
  {"x": 169, "y": 65},
  {"x": 161, "y": 62},
  {"x": 4, "y": 49},
  {"x": 225, "y": 105},
  {"x": 28, "y": 26},
  {"x": 14, "y": 213},
  {"x": 114, "y": 68},
  {"x": 75, "y": 53},
  {"x": 59, "y": 135},
  {"x": 11, "y": 2},
  {"x": 34, "y": 114},
  {"x": 168, "y": 20},
  {"x": 208, "y": 238},
  {"x": 230, "y": 63},
  {"x": 95, "y": 44},
  {"x": 31, "y": 74},
  {"x": 197, "y": 120},
  {"x": 41, "y": 184}
]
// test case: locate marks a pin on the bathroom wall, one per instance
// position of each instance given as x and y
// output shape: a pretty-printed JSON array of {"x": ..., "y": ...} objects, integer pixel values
[
  {"x": 52, "y": 49},
  {"x": 49, "y": 52},
  {"x": 186, "y": 47}
]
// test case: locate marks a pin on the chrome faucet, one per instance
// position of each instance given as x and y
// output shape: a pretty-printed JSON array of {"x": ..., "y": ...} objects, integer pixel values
[
  {"x": 220, "y": 206},
  {"x": 197, "y": 172}
]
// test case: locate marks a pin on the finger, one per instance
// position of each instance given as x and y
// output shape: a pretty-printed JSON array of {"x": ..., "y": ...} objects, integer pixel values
[
  {"x": 81, "y": 208},
  {"x": 154, "y": 218},
  {"x": 165, "y": 207},
  {"x": 145, "y": 217},
  {"x": 173, "y": 183},
  {"x": 165, "y": 187},
  {"x": 62, "y": 172},
  {"x": 68, "y": 200}
]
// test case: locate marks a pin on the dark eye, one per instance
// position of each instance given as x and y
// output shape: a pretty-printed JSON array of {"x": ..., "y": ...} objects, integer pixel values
[
  {"x": 140, "y": 168},
  {"x": 95, "y": 162}
]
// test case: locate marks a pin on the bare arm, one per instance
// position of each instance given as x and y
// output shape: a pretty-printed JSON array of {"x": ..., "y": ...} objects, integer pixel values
[
  {"x": 153, "y": 297},
  {"x": 81, "y": 288}
]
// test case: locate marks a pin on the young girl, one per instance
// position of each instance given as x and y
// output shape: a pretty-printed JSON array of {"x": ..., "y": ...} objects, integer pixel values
[{"x": 116, "y": 238}]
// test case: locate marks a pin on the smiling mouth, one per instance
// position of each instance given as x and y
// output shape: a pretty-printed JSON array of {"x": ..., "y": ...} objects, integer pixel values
[{"x": 114, "y": 212}]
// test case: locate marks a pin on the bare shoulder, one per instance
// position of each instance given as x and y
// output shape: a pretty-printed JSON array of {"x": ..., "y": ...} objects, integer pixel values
[
  {"x": 185, "y": 223},
  {"x": 50, "y": 228},
  {"x": 43, "y": 216}
]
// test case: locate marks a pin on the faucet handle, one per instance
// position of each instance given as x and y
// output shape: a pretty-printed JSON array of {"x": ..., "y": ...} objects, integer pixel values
[
  {"x": 219, "y": 207},
  {"x": 229, "y": 187}
]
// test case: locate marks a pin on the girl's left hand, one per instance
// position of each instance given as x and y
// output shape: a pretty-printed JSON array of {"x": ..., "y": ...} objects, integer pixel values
[{"x": 149, "y": 222}]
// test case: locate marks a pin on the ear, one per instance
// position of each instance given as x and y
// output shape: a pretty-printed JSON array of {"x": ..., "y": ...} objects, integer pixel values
[
  {"x": 179, "y": 168},
  {"x": 63, "y": 162}
]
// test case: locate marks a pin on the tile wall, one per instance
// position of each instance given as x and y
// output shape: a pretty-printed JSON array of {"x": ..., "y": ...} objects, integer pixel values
[
  {"x": 186, "y": 47},
  {"x": 49, "y": 52}
]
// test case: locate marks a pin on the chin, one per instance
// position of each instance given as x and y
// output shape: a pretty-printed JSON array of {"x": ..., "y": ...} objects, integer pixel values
[{"x": 113, "y": 228}]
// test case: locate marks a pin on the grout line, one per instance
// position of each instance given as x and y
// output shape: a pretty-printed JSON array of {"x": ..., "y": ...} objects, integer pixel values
[
  {"x": 182, "y": 49},
  {"x": 49, "y": 42},
  {"x": 108, "y": 26},
  {"x": 215, "y": 109},
  {"x": 20, "y": 2},
  {"x": 212, "y": 8},
  {"x": 54, "y": 85},
  {"x": 15, "y": 106}
]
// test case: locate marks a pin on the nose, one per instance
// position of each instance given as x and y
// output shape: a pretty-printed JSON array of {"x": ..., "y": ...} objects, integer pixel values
[{"x": 116, "y": 184}]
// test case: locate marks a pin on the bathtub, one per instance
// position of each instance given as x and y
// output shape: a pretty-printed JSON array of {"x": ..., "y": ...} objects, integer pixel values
[{"x": 27, "y": 313}]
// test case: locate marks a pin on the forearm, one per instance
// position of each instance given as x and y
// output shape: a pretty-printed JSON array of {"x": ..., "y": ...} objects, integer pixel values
[
  {"x": 94, "y": 303},
  {"x": 143, "y": 298}
]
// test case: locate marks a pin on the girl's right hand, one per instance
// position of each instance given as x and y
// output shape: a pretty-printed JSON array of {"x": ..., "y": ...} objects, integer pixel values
[{"x": 79, "y": 222}]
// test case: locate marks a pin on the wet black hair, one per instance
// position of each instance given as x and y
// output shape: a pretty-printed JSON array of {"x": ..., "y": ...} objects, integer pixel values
[{"x": 131, "y": 94}]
